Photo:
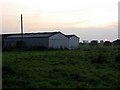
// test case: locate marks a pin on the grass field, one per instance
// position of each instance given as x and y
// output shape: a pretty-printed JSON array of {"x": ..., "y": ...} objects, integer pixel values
[{"x": 87, "y": 67}]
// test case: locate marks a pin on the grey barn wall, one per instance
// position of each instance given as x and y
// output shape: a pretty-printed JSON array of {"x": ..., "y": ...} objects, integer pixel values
[
  {"x": 29, "y": 42},
  {"x": 37, "y": 42},
  {"x": 10, "y": 42}
]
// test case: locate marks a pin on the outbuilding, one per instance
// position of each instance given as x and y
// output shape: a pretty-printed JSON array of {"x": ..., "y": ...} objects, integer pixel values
[
  {"x": 48, "y": 40},
  {"x": 73, "y": 41}
]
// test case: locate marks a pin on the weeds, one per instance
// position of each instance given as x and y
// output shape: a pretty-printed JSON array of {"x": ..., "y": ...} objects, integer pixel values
[
  {"x": 83, "y": 68},
  {"x": 99, "y": 58}
]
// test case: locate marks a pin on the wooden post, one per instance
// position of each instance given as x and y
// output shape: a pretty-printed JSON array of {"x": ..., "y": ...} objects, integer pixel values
[{"x": 21, "y": 31}]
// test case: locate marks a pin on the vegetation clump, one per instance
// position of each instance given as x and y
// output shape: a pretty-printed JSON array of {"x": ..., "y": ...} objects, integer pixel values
[{"x": 99, "y": 58}]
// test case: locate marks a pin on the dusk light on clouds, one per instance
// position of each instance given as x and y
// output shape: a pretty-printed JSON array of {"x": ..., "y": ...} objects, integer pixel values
[{"x": 89, "y": 19}]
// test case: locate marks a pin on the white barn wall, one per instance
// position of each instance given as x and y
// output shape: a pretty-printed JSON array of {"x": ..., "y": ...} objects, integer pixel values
[
  {"x": 73, "y": 42},
  {"x": 58, "y": 40}
]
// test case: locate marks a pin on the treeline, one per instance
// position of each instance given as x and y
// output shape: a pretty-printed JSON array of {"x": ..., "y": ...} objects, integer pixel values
[{"x": 101, "y": 43}]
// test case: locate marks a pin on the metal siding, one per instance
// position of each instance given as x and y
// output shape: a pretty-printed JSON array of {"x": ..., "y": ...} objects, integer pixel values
[
  {"x": 73, "y": 42},
  {"x": 36, "y": 42},
  {"x": 58, "y": 41},
  {"x": 29, "y": 42},
  {"x": 10, "y": 42}
]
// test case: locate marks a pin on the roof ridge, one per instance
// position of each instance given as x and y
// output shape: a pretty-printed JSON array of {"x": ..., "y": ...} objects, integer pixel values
[{"x": 71, "y": 35}]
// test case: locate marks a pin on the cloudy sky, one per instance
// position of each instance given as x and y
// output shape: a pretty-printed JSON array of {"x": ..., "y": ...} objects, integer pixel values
[{"x": 88, "y": 19}]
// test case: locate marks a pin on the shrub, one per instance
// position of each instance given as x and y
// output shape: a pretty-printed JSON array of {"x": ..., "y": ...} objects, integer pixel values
[
  {"x": 7, "y": 70},
  {"x": 117, "y": 59},
  {"x": 99, "y": 58}
]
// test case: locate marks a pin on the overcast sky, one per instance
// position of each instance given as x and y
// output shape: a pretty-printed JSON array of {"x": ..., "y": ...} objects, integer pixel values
[{"x": 88, "y": 19}]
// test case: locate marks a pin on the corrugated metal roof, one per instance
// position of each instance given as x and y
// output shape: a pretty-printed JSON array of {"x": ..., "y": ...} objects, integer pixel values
[
  {"x": 69, "y": 36},
  {"x": 28, "y": 35},
  {"x": 45, "y": 34}
]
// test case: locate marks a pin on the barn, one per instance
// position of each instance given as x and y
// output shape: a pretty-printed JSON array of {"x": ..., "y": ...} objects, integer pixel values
[{"x": 48, "y": 40}]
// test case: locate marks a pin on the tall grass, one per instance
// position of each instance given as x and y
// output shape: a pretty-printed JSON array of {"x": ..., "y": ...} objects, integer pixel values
[{"x": 88, "y": 67}]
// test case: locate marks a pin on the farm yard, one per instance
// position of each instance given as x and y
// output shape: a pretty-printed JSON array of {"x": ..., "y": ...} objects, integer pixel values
[{"x": 88, "y": 67}]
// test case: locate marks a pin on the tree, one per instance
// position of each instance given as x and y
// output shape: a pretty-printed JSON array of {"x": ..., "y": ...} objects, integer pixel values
[
  {"x": 94, "y": 43},
  {"x": 116, "y": 42},
  {"x": 107, "y": 43}
]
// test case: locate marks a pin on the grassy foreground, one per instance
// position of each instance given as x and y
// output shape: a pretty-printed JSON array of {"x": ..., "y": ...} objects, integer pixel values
[{"x": 83, "y": 68}]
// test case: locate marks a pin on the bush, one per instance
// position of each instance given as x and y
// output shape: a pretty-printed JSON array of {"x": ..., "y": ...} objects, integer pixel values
[
  {"x": 99, "y": 58},
  {"x": 7, "y": 70},
  {"x": 117, "y": 59}
]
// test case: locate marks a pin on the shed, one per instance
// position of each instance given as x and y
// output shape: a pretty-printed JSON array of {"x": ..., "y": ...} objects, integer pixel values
[{"x": 73, "y": 41}]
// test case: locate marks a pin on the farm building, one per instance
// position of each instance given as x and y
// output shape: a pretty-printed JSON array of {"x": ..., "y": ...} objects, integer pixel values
[
  {"x": 48, "y": 40},
  {"x": 73, "y": 41}
]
